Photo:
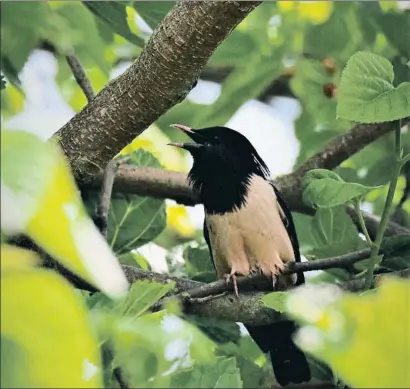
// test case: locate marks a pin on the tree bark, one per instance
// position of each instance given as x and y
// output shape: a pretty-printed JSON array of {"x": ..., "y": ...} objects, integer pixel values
[{"x": 161, "y": 76}]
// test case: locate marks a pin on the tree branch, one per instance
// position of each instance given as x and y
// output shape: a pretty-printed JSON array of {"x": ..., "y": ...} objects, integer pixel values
[
  {"x": 248, "y": 308},
  {"x": 80, "y": 75},
  {"x": 174, "y": 185},
  {"x": 161, "y": 76}
]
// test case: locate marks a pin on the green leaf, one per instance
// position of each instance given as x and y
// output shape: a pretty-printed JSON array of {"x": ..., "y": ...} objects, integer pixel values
[
  {"x": 135, "y": 259},
  {"x": 142, "y": 296},
  {"x": 220, "y": 331},
  {"x": 20, "y": 32},
  {"x": 83, "y": 31},
  {"x": 13, "y": 365},
  {"x": 334, "y": 233},
  {"x": 396, "y": 252},
  {"x": 114, "y": 14},
  {"x": 396, "y": 28},
  {"x": 33, "y": 316},
  {"x": 276, "y": 301},
  {"x": 347, "y": 337},
  {"x": 367, "y": 94},
  {"x": 198, "y": 260},
  {"x": 240, "y": 86},
  {"x": 223, "y": 373},
  {"x": 147, "y": 348},
  {"x": 153, "y": 13},
  {"x": 325, "y": 189},
  {"x": 133, "y": 220}
]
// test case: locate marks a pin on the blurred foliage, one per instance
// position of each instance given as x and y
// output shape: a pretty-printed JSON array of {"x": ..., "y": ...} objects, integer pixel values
[
  {"x": 346, "y": 331},
  {"x": 343, "y": 61}
]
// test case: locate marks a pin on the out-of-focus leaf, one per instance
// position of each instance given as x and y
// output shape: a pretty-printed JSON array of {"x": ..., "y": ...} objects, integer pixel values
[
  {"x": 396, "y": 28},
  {"x": 240, "y": 86},
  {"x": 114, "y": 14},
  {"x": 223, "y": 373},
  {"x": 155, "y": 345},
  {"x": 153, "y": 13},
  {"x": 84, "y": 33},
  {"x": 367, "y": 94},
  {"x": 307, "y": 84},
  {"x": 325, "y": 189},
  {"x": 20, "y": 32},
  {"x": 14, "y": 365},
  {"x": 330, "y": 38},
  {"x": 251, "y": 362},
  {"x": 220, "y": 331},
  {"x": 56, "y": 332},
  {"x": 276, "y": 301},
  {"x": 40, "y": 199},
  {"x": 2, "y": 83},
  {"x": 344, "y": 330}
]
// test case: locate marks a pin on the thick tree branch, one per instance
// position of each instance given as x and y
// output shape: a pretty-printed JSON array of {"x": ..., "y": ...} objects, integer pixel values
[{"x": 162, "y": 75}]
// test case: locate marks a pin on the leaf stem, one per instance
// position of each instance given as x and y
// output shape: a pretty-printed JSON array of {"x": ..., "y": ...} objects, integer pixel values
[
  {"x": 387, "y": 208},
  {"x": 361, "y": 222}
]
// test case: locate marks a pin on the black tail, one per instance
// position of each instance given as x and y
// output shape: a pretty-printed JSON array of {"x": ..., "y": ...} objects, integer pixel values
[{"x": 289, "y": 363}]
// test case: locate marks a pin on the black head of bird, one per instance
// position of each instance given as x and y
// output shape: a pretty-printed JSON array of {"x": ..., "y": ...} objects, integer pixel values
[{"x": 224, "y": 162}]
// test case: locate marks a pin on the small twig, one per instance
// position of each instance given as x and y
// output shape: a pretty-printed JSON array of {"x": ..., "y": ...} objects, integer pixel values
[
  {"x": 101, "y": 219},
  {"x": 108, "y": 179},
  {"x": 387, "y": 208},
  {"x": 260, "y": 281},
  {"x": 362, "y": 222},
  {"x": 80, "y": 76}
]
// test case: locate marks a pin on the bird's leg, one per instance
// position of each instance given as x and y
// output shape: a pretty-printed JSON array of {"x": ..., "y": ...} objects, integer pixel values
[
  {"x": 234, "y": 281},
  {"x": 274, "y": 279}
]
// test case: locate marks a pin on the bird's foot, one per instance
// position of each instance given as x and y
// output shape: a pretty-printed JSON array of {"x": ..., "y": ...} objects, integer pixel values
[
  {"x": 232, "y": 276},
  {"x": 274, "y": 279}
]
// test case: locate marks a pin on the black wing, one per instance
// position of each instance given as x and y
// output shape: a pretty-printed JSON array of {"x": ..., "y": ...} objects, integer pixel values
[
  {"x": 287, "y": 220},
  {"x": 208, "y": 242}
]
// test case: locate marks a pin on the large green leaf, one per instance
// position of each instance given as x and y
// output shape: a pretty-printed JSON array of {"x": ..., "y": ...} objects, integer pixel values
[
  {"x": 153, "y": 12},
  {"x": 114, "y": 14},
  {"x": 367, "y": 93},
  {"x": 344, "y": 330},
  {"x": 223, "y": 373},
  {"x": 40, "y": 329},
  {"x": 325, "y": 189}
]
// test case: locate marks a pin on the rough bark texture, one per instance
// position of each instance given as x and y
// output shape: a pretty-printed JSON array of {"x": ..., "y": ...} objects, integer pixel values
[{"x": 160, "y": 77}]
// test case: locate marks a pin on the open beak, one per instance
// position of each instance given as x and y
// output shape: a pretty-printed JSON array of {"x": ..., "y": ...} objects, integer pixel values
[{"x": 194, "y": 135}]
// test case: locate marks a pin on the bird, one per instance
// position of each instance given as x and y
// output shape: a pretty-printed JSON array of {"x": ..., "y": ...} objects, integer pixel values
[{"x": 248, "y": 229}]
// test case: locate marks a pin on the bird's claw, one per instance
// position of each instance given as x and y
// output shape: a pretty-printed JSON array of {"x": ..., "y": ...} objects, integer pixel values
[{"x": 228, "y": 277}]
